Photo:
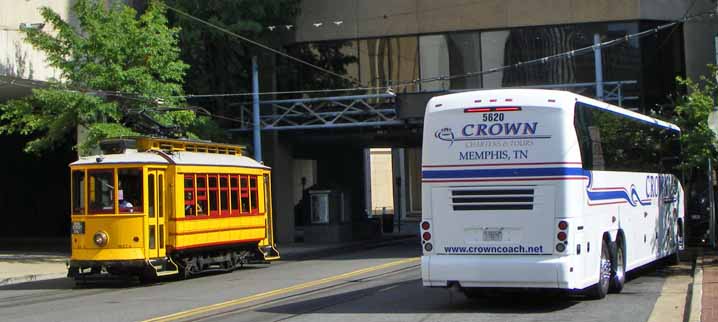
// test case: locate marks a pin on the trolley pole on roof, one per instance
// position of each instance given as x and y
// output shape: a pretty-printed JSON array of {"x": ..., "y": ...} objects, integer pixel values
[{"x": 255, "y": 111}]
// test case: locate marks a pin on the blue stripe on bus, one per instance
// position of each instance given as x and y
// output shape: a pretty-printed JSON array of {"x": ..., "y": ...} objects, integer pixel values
[
  {"x": 633, "y": 198},
  {"x": 494, "y": 173}
]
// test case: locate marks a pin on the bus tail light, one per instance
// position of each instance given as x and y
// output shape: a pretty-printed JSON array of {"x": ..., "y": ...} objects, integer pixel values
[
  {"x": 492, "y": 109},
  {"x": 426, "y": 236},
  {"x": 561, "y": 236},
  {"x": 562, "y": 225}
]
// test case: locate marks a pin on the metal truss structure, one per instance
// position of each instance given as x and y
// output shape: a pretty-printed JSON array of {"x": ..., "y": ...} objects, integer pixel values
[
  {"x": 373, "y": 110},
  {"x": 325, "y": 112}
]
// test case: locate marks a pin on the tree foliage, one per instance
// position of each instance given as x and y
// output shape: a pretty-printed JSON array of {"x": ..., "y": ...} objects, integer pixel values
[
  {"x": 221, "y": 63},
  {"x": 698, "y": 141},
  {"x": 111, "y": 52}
]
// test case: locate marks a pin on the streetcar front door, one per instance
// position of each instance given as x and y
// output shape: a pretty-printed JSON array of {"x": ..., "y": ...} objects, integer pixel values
[{"x": 156, "y": 213}]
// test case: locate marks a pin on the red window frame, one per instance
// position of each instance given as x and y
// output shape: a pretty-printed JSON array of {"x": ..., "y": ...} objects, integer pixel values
[
  {"x": 201, "y": 195},
  {"x": 190, "y": 204},
  {"x": 213, "y": 194},
  {"x": 223, "y": 195},
  {"x": 234, "y": 197},
  {"x": 254, "y": 195},
  {"x": 244, "y": 193}
]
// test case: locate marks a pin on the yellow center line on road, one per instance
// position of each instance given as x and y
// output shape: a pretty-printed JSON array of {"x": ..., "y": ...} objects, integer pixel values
[{"x": 261, "y": 296}]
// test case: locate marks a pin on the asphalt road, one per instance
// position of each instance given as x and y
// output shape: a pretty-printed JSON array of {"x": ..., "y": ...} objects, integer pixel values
[{"x": 382, "y": 284}]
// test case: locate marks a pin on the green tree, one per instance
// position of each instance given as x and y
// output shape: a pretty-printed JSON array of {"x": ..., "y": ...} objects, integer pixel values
[
  {"x": 691, "y": 115},
  {"x": 111, "y": 52},
  {"x": 221, "y": 63}
]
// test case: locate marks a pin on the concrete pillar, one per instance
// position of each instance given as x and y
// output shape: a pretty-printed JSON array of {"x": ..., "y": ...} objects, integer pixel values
[{"x": 279, "y": 157}]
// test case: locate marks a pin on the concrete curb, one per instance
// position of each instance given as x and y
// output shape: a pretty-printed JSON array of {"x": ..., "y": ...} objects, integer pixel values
[
  {"x": 696, "y": 296},
  {"x": 31, "y": 278}
]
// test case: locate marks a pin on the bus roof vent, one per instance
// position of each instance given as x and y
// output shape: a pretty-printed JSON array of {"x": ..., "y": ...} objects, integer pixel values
[{"x": 473, "y": 199}]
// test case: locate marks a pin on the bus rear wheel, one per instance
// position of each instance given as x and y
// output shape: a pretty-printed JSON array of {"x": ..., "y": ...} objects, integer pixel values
[
  {"x": 618, "y": 276},
  {"x": 600, "y": 290}
]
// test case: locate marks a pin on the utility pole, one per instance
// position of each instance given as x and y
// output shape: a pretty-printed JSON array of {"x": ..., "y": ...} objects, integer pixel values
[
  {"x": 599, "y": 65},
  {"x": 255, "y": 111}
]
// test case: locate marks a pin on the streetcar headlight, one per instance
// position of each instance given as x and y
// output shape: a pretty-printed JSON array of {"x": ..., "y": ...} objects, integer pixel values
[
  {"x": 100, "y": 238},
  {"x": 78, "y": 227}
]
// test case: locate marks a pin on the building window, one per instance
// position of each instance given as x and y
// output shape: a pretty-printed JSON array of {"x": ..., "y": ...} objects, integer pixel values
[
  {"x": 340, "y": 57},
  {"x": 389, "y": 62},
  {"x": 452, "y": 54}
]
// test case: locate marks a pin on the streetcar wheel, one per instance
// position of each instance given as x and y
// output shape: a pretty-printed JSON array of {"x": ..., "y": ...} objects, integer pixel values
[
  {"x": 618, "y": 273},
  {"x": 600, "y": 290}
]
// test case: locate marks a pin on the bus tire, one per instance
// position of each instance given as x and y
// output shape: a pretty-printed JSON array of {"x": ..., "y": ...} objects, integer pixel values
[
  {"x": 675, "y": 258},
  {"x": 600, "y": 289},
  {"x": 618, "y": 272}
]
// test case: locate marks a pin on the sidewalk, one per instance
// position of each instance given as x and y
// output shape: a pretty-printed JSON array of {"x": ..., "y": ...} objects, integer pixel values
[
  {"x": 34, "y": 260},
  {"x": 707, "y": 266}
]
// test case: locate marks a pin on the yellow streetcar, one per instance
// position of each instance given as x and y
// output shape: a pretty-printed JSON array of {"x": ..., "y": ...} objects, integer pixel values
[{"x": 154, "y": 207}]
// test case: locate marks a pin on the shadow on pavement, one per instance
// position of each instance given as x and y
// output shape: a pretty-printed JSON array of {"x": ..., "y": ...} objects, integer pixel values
[
  {"x": 51, "y": 284},
  {"x": 411, "y": 297}
]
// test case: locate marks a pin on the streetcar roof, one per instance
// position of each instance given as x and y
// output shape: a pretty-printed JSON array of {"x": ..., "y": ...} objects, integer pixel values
[{"x": 178, "y": 158}]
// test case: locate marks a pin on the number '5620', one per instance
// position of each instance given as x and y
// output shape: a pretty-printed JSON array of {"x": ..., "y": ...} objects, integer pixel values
[{"x": 493, "y": 117}]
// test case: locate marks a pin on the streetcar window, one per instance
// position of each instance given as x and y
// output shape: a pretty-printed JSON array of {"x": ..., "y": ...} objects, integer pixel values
[
  {"x": 78, "y": 192},
  {"x": 213, "y": 196},
  {"x": 102, "y": 191},
  {"x": 202, "y": 195},
  {"x": 223, "y": 195},
  {"x": 189, "y": 196},
  {"x": 151, "y": 195},
  {"x": 244, "y": 184},
  {"x": 160, "y": 195},
  {"x": 253, "y": 194},
  {"x": 129, "y": 192},
  {"x": 234, "y": 194}
]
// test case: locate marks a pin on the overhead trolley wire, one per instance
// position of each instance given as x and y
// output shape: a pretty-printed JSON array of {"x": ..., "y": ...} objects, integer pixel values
[
  {"x": 542, "y": 60},
  {"x": 353, "y": 81}
]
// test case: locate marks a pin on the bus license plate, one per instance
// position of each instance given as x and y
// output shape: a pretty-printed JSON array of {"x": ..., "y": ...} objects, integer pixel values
[{"x": 492, "y": 235}]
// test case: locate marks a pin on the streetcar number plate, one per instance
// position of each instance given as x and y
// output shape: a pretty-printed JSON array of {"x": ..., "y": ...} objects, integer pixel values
[{"x": 492, "y": 235}]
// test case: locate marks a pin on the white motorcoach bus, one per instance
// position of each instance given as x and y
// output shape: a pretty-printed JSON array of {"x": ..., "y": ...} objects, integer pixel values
[{"x": 526, "y": 188}]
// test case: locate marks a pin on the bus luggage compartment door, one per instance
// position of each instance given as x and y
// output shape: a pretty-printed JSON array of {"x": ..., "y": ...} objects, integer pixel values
[{"x": 494, "y": 220}]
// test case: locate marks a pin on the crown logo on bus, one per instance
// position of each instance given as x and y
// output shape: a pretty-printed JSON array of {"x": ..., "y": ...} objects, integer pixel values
[{"x": 445, "y": 134}]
